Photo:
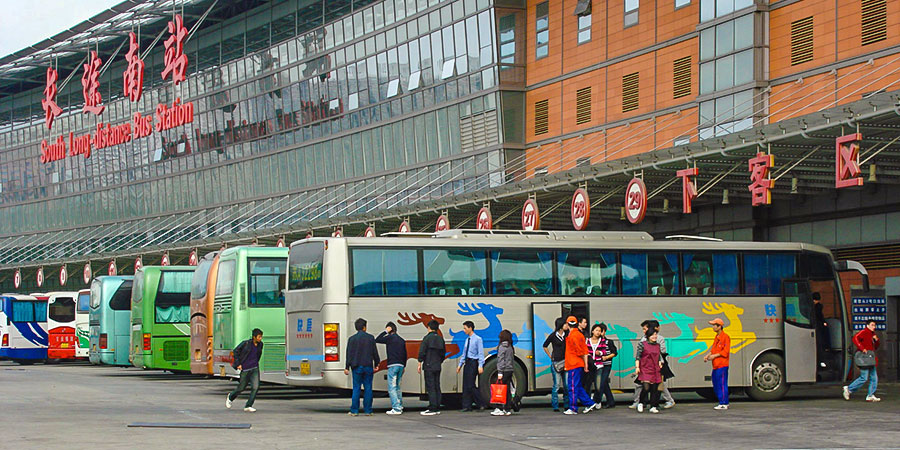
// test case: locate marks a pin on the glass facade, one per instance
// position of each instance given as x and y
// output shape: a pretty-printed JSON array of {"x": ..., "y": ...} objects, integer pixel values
[{"x": 359, "y": 98}]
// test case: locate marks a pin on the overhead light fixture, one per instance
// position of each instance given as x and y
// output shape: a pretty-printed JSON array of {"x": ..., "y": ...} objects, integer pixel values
[
  {"x": 665, "y": 205},
  {"x": 872, "y": 177},
  {"x": 622, "y": 213},
  {"x": 794, "y": 183},
  {"x": 724, "y": 196}
]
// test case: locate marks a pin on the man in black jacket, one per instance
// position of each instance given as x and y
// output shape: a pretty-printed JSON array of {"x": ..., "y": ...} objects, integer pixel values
[
  {"x": 431, "y": 356},
  {"x": 362, "y": 359},
  {"x": 396, "y": 363},
  {"x": 246, "y": 360}
]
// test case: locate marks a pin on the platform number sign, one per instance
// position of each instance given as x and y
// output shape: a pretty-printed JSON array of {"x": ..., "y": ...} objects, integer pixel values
[
  {"x": 86, "y": 273},
  {"x": 443, "y": 223},
  {"x": 63, "y": 276},
  {"x": 111, "y": 269},
  {"x": 280, "y": 242},
  {"x": 40, "y": 276},
  {"x": 531, "y": 217},
  {"x": 338, "y": 232},
  {"x": 165, "y": 259},
  {"x": 370, "y": 232},
  {"x": 404, "y": 227},
  {"x": 138, "y": 264},
  {"x": 581, "y": 209},
  {"x": 636, "y": 201},
  {"x": 17, "y": 279},
  {"x": 484, "y": 221},
  {"x": 192, "y": 259}
]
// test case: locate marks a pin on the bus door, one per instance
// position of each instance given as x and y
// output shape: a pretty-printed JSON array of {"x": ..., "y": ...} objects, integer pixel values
[
  {"x": 543, "y": 322},
  {"x": 799, "y": 332}
]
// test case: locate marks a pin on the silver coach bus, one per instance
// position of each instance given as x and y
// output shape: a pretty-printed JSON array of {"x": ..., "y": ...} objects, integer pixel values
[{"x": 523, "y": 281}]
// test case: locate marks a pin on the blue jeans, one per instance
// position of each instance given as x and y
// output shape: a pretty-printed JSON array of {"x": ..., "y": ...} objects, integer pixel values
[
  {"x": 869, "y": 374},
  {"x": 576, "y": 389},
  {"x": 394, "y": 375},
  {"x": 362, "y": 377},
  {"x": 251, "y": 377},
  {"x": 720, "y": 384},
  {"x": 559, "y": 379}
]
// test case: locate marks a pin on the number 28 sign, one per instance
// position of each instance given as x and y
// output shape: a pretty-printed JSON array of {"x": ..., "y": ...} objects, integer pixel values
[
  {"x": 581, "y": 209},
  {"x": 636, "y": 201}
]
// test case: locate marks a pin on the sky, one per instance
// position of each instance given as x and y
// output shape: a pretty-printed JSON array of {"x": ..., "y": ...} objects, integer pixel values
[{"x": 27, "y": 22}]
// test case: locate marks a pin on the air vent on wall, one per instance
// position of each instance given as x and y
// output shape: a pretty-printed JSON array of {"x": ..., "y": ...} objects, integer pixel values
[
  {"x": 874, "y": 21},
  {"x": 801, "y": 41},
  {"x": 630, "y": 91},
  {"x": 681, "y": 77},
  {"x": 541, "y": 117},
  {"x": 583, "y": 106}
]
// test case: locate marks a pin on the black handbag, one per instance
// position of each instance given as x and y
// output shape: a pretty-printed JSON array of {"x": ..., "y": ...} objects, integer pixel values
[
  {"x": 864, "y": 360},
  {"x": 666, "y": 371}
]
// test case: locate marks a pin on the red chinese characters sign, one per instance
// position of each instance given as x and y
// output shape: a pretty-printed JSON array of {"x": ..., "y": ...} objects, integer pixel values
[
  {"x": 175, "y": 60},
  {"x": 846, "y": 162},
  {"x": 760, "y": 184},
  {"x": 90, "y": 85},
  {"x": 133, "y": 77},
  {"x": 688, "y": 188},
  {"x": 51, "y": 109}
]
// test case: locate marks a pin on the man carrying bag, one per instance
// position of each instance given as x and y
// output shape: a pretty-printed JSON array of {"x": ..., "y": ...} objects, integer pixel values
[{"x": 866, "y": 342}]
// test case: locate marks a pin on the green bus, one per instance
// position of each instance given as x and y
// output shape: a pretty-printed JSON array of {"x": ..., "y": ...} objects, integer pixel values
[
  {"x": 160, "y": 318},
  {"x": 249, "y": 295}
]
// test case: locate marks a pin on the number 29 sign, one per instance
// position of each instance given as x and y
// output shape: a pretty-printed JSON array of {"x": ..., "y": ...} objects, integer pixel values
[{"x": 636, "y": 201}]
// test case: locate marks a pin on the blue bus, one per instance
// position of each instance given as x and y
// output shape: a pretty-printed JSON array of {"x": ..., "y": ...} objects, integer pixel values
[
  {"x": 24, "y": 337},
  {"x": 110, "y": 320}
]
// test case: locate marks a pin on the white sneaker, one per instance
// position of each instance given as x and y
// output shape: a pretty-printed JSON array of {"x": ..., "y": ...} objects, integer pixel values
[
  {"x": 668, "y": 405},
  {"x": 846, "y": 393},
  {"x": 872, "y": 398},
  {"x": 721, "y": 407},
  {"x": 640, "y": 407},
  {"x": 249, "y": 409},
  {"x": 393, "y": 412},
  {"x": 507, "y": 413},
  {"x": 497, "y": 412},
  {"x": 429, "y": 412},
  {"x": 590, "y": 408},
  {"x": 228, "y": 401},
  {"x": 654, "y": 410},
  {"x": 633, "y": 405},
  {"x": 569, "y": 412}
]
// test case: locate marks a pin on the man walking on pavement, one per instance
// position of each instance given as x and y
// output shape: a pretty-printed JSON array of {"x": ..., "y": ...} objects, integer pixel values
[
  {"x": 576, "y": 366},
  {"x": 431, "y": 355},
  {"x": 362, "y": 360},
  {"x": 472, "y": 365},
  {"x": 246, "y": 361},
  {"x": 719, "y": 354}
]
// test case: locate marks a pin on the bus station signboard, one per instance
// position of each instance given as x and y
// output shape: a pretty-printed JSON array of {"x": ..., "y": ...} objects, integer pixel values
[
  {"x": 869, "y": 307},
  {"x": 404, "y": 227},
  {"x": 86, "y": 273},
  {"x": 138, "y": 264},
  {"x": 484, "y": 221},
  {"x": 442, "y": 224},
  {"x": 192, "y": 259},
  {"x": 63, "y": 275},
  {"x": 111, "y": 268},
  {"x": 635, "y": 200},
  {"x": 370, "y": 232},
  {"x": 581, "y": 209},
  {"x": 40, "y": 276},
  {"x": 531, "y": 217},
  {"x": 17, "y": 279}
]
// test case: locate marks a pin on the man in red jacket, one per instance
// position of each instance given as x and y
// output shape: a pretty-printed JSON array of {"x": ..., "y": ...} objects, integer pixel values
[
  {"x": 866, "y": 341},
  {"x": 576, "y": 366}
]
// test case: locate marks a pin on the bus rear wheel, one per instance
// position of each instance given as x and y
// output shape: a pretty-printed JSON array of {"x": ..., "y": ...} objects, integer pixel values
[
  {"x": 520, "y": 381},
  {"x": 767, "y": 380}
]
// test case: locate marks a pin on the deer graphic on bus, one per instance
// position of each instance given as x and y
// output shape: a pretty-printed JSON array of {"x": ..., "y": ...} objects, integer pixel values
[
  {"x": 683, "y": 347},
  {"x": 735, "y": 329},
  {"x": 412, "y": 346},
  {"x": 490, "y": 335}
]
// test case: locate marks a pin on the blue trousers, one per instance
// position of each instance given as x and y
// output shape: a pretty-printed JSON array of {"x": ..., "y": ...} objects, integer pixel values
[
  {"x": 362, "y": 378},
  {"x": 869, "y": 374},
  {"x": 720, "y": 384},
  {"x": 559, "y": 379},
  {"x": 576, "y": 390}
]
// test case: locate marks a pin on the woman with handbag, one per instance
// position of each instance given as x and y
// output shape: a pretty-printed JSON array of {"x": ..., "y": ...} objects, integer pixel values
[
  {"x": 866, "y": 342},
  {"x": 505, "y": 361}
]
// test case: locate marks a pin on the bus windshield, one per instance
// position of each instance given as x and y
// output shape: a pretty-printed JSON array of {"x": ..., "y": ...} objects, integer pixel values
[
  {"x": 63, "y": 309},
  {"x": 198, "y": 281},
  {"x": 306, "y": 265},
  {"x": 121, "y": 299},
  {"x": 266, "y": 280},
  {"x": 84, "y": 301},
  {"x": 173, "y": 298},
  {"x": 28, "y": 311}
]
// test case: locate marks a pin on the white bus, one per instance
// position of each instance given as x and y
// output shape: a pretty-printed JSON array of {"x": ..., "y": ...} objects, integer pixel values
[
  {"x": 82, "y": 324},
  {"x": 524, "y": 281}
]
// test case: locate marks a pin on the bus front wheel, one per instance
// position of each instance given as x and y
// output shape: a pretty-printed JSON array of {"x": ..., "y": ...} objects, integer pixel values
[
  {"x": 768, "y": 381},
  {"x": 520, "y": 381}
]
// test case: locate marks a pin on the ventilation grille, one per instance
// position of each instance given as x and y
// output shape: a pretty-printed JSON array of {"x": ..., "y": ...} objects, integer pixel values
[
  {"x": 478, "y": 131},
  {"x": 874, "y": 21},
  {"x": 681, "y": 77},
  {"x": 880, "y": 257},
  {"x": 273, "y": 358},
  {"x": 175, "y": 350},
  {"x": 541, "y": 117},
  {"x": 630, "y": 90},
  {"x": 801, "y": 41},
  {"x": 583, "y": 106}
]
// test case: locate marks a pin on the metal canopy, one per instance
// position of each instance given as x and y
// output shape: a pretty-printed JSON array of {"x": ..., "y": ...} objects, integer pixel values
[{"x": 804, "y": 149}]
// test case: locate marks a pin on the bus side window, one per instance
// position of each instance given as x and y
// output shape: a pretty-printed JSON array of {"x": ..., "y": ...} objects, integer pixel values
[
  {"x": 698, "y": 273},
  {"x": 634, "y": 273},
  {"x": 380, "y": 272},
  {"x": 586, "y": 273},
  {"x": 455, "y": 271},
  {"x": 522, "y": 272},
  {"x": 764, "y": 272},
  {"x": 662, "y": 274}
]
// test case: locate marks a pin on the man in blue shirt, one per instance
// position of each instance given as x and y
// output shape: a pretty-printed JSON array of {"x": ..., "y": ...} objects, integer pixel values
[{"x": 471, "y": 362}]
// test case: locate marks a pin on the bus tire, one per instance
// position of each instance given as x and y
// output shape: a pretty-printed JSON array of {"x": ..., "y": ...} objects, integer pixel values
[
  {"x": 767, "y": 378},
  {"x": 490, "y": 377}
]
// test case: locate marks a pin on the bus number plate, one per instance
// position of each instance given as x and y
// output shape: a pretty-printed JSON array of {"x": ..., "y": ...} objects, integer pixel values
[
  {"x": 222, "y": 371},
  {"x": 304, "y": 368},
  {"x": 64, "y": 345}
]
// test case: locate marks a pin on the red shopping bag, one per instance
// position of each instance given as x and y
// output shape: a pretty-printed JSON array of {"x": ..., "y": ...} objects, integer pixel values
[{"x": 498, "y": 393}]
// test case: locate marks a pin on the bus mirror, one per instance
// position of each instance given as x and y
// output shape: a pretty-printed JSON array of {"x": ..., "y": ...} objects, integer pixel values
[{"x": 849, "y": 265}]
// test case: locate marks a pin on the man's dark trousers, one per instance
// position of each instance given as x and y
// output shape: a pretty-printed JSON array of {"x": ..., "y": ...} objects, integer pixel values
[
  {"x": 470, "y": 392},
  {"x": 433, "y": 388}
]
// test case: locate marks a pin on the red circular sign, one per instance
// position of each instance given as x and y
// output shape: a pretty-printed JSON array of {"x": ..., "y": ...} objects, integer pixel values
[
  {"x": 63, "y": 275},
  {"x": 165, "y": 259},
  {"x": 404, "y": 227},
  {"x": 111, "y": 269},
  {"x": 17, "y": 279},
  {"x": 443, "y": 223},
  {"x": 309, "y": 234},
  {"x": 484, "y": 221},
  {"x": 337, "y": 233},
  {"x": 192, "y": 259},
  {"x": 531, "y": 217},
  {"x": 636, "y": 201},
  {"x": 86, "y": 273},
  {"x": 40, "y": 277},
  {"x": 280, "y": 242},
  {"x": 581, "y": 209},
  {"x": 370, "y": 232},
  {"x": 138, "y": 264}
]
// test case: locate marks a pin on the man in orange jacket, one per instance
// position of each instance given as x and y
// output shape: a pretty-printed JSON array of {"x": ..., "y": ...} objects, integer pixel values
[
  {"x": 576, "y": 365},
  {"x": 719, "y": 354}
]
